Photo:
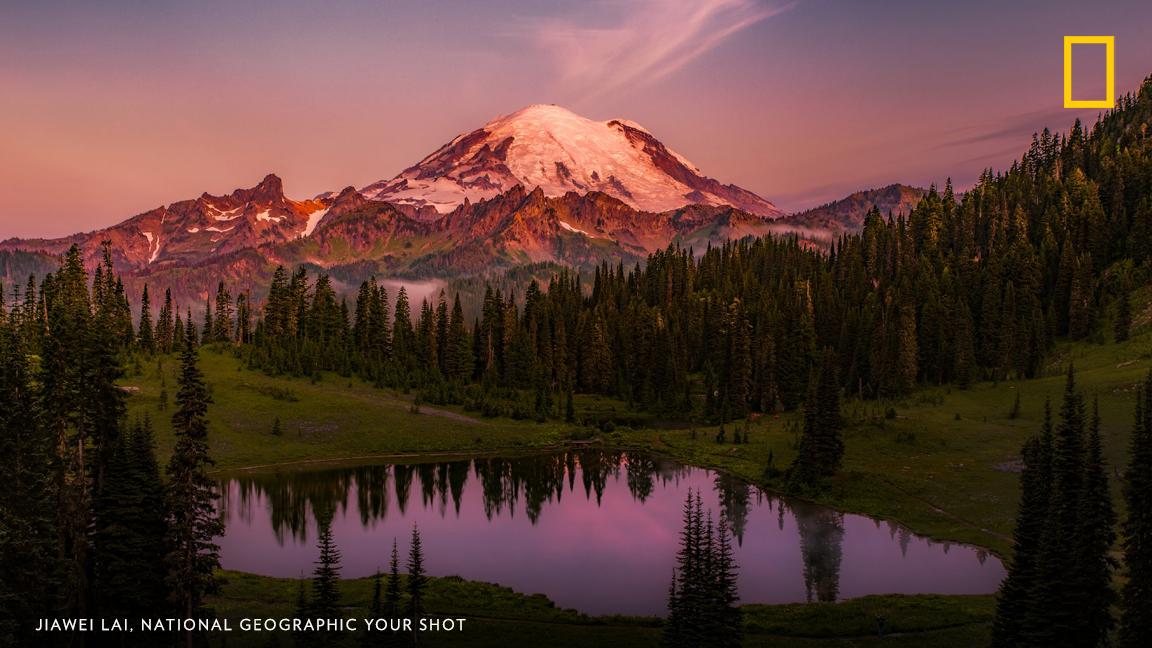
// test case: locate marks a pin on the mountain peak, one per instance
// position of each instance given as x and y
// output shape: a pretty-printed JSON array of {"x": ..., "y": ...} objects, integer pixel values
[
  {"x": 270, "y": 189},
  {"x": 847, "y": 214},
  {"x": 549, "y": 147},
  {"x": 540, "y": 110}
]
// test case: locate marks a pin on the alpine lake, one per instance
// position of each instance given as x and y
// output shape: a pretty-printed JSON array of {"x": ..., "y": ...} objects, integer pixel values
[{"x": 593, "y": 530}]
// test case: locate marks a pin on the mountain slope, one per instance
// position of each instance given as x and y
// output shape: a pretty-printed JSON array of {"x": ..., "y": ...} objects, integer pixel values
[
  {"x": 847, "y": 214},
  {"x": 509, "y": 229},
  {"x": 559, "y": 151},
  {"x": 190, "y": 231}
]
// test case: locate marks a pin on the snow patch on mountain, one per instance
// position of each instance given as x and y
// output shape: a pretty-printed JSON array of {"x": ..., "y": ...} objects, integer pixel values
[
  {"x": 154, "y": 250},
  {"x": 313, "y": 220},
  {"x": 231, "y": 214},
  {"x": 577, "y": 230}
]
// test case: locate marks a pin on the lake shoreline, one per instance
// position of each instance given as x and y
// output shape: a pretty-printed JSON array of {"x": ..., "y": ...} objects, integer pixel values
[
  {"x": 663, "y": 453},
  {"x": 581, "y": 499}
]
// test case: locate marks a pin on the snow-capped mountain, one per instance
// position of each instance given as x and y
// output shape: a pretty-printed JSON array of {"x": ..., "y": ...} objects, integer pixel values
[
  {"x": 559, "y": 151},
  {"x": 539, "y": 186}
]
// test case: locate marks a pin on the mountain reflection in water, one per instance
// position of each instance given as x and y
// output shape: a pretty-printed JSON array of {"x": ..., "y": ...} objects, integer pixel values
[{"x": 592, "y": 530}]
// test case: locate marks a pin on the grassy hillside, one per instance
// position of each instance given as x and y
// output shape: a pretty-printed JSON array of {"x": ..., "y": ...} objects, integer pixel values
[{"x": 331, "y": 419}]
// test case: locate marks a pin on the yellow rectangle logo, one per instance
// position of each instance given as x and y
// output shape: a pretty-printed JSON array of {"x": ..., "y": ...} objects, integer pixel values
[{"x": 1109, "y": 43}]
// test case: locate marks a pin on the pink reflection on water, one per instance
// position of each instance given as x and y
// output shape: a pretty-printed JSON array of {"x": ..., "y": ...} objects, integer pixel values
[{"x": 616, "y": 555}]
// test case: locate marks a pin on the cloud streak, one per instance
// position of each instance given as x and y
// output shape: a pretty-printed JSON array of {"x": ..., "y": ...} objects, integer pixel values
[
  {"x": 1016, "y": 127},
  {"x": 646, "y": 40}
]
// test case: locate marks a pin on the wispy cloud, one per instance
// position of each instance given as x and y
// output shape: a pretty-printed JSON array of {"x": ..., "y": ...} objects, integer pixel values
[
  {"x": 1016, "y": 126},
  {"x": 643, "y": 40}
]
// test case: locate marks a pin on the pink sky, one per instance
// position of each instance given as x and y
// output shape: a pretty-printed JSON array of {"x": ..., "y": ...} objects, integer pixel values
[{"x": 110, "y": 109}]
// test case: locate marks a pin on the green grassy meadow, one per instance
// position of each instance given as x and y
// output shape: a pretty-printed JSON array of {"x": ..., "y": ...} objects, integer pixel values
[{"x": 331, "y": 419}]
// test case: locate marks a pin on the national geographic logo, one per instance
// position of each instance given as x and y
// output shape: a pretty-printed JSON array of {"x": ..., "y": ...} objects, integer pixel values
[{"x": 1109, "y": 43}]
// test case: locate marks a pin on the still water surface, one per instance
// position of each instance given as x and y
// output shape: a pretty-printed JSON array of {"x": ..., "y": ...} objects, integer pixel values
[{"x": 592, "y": 530}]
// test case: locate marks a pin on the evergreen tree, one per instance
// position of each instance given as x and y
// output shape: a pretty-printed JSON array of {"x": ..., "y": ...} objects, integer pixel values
[
  {"x": 702, "y": 598},
  {"x": 1017, "y": 612},
  {"x": 683, "y": 627},
  {"x": 243, "y": 318},
  {"x": 1070, "y": 600},
  {"x": 416, "y": 584},
  {"x": 222, "y": 325},
  {"x": 1136, "y": 596},
  {"x": 1097, "y": 535},
  {"x": 729, "y": 630},
  {"x": 325, "y": 600},
  {"x": 403, "y": 336},
  {"x": 795, "y": 351},
  {"x": 907, "y": 363},
  {"x": 30, "y": 541},
  {"x": 387, "y": 603},
  {"x": 165, "y": 335},
  {"x": 179, "y": 335},
  {"x": 153, "y": 518},
  {"x": 458, "y": 358},
  {"x": 129, "y": 531},
  {"x": 193, "y": 525},
  {"x": 1062, "y": 538},
  {"x": 441, "y": 334},
  {"x": 821, "y": 448},
  {"x": 145, "y": 338},
  {"x": 393, "y": 591},
  {"x": 79, "y": 406}
]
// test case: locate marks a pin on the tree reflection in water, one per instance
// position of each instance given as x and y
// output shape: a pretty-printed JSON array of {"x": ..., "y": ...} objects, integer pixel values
[
  {"x": 535, "y": 480},
  {"x": 821, "y": 545},
  {"x": 735, "y": 495}
]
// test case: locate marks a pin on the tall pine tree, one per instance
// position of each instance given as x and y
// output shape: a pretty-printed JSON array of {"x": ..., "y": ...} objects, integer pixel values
[
  {"x": 1135, "y": 619},
  {"x": 1017, "y": 612},
  {"x": 417, "y": 583},
  {"x": 193, "y": 556},
  {"x": 821, "y": 448}
]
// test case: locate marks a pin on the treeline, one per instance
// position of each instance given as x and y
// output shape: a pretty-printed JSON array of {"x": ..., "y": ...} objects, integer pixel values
[
  {"x": 89, "y": 527},
  {"x": 1060, "y": 585}
]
